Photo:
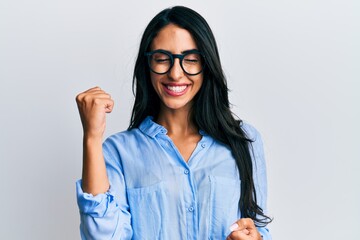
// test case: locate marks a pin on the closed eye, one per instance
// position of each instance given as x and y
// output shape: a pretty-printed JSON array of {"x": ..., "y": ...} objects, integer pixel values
[
  {"x": 192, "y": 60},
  {"x": 162, "y": 60}
]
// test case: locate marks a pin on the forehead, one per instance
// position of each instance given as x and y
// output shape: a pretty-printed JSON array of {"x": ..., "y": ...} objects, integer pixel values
[{"x": 173, "y": 39}]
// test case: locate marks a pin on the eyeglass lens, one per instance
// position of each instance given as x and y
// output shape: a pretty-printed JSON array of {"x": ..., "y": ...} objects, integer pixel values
[{"x": 161, "y": 63}]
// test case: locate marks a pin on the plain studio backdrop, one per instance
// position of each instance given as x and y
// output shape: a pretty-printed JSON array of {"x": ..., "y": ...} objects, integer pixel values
[{"x": 292, "y": 67}]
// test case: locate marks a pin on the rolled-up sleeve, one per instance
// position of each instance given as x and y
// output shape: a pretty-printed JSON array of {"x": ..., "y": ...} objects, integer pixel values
[{"x": 106, "y": 215}]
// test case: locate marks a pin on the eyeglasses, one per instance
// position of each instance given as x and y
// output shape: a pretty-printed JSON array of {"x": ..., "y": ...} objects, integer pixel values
[{"x": 161, "y": 61}]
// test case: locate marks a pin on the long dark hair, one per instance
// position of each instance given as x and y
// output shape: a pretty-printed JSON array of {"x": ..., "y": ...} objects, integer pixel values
[{"x": 211, "y": 109}]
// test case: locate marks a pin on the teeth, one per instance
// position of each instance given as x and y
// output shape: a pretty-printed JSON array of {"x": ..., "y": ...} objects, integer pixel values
[{"x": 176, "y": 88}]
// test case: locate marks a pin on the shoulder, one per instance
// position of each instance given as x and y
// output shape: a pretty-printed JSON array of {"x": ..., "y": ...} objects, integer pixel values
[
  {"x": 121, "y": 144},
  {"x": 147, "y": 128},
  {"x": 124, "y": 137},
  {"x": 257, "y": 147},
  {"x": 251, "y": 132}
]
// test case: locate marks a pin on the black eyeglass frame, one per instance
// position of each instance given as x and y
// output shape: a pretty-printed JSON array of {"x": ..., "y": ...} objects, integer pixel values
[{"x": 172, "y": 60}]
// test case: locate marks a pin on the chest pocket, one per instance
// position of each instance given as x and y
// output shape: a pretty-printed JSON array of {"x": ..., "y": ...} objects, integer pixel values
[{"x": 145, "y": 208}]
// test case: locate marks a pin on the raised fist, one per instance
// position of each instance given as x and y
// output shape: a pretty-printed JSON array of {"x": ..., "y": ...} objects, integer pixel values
[{"x": 93, "y": 105}]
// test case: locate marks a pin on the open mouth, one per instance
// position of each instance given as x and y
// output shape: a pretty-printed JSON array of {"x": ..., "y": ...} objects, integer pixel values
[{"x": 176, "y": 89}]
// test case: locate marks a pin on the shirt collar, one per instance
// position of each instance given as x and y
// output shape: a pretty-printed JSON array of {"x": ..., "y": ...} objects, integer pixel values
[{"x": 151, "y": 128}]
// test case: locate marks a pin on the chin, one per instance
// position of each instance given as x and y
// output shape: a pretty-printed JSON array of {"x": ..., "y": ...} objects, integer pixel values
[{"x": 176, "y": 105}]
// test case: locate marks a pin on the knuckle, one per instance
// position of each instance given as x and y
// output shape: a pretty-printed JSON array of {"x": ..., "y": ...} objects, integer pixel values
[
  {"x": 249, "y": 221},
  {"x": 87, "y": 98},
  {"x": 78, "y": 97},
  {"x": 241, "y": 221},
  {"x": 233, "y": 235},
  {"x": 97, "y": 101}
]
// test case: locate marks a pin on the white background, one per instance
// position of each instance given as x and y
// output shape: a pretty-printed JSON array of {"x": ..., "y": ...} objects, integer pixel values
[{"x": 293, "y": 71}]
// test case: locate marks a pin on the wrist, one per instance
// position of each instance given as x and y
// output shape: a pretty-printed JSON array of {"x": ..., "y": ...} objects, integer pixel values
[
  {"x": 92, "y": 137},
  {"x": 92, "y": 143}
]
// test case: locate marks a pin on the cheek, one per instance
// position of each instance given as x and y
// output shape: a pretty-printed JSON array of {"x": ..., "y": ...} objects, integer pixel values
[
  {"x": 154, "y": 80},
  {"x": 199, "y": 81}
]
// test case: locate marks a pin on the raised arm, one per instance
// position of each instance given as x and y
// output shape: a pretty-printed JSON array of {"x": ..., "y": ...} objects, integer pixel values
[{"x": 93, "y": 105}]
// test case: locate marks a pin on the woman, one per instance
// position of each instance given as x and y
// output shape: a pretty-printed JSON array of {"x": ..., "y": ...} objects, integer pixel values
[{"x": 185, "y": 168}]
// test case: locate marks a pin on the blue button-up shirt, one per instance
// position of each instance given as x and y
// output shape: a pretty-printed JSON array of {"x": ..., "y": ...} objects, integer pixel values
[{"x": 155, "y": 194}]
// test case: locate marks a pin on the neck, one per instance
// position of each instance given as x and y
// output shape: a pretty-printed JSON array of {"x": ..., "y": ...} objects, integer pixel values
[{"x": 177, "y": 122}]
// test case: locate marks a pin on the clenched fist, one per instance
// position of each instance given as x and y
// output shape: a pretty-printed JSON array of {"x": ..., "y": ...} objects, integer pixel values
[
  {"x": 244, "y": 229},
  {"x": 93, "y": 105}
]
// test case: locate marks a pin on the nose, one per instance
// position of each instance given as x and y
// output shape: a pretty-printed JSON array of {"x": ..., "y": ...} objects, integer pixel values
[{"x": 176, "y": 72}]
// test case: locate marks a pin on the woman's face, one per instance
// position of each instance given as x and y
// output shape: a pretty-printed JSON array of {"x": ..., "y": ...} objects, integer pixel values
[{"x": 175, "y": 89}]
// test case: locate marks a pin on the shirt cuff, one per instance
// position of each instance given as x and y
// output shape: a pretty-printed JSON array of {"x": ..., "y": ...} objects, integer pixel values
[
  {"x": 264, "y": 232},
  {"x": 96, "y": 206}
]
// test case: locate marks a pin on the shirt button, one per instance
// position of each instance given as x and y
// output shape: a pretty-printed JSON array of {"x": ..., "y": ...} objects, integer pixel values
[
  {"x": 186, "y": 171},
  {"x": 203, "y": 145},
  {"x": 191, "y": 209}
]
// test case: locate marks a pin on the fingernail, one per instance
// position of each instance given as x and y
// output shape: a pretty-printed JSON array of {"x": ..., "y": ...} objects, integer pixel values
[{"x": 234, "y": 227}]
